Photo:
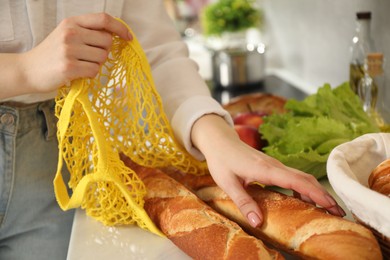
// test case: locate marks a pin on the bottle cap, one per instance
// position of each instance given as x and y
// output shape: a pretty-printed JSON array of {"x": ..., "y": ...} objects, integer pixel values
[{"x": 363, "y": 15}]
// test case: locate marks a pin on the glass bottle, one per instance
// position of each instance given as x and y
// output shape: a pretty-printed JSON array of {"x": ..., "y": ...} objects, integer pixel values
[
  {"x": 362, "y": 45},
  {"x": 372, "y": 91}
]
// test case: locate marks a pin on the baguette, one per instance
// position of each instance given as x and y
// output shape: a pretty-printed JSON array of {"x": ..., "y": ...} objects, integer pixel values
[
  {"x": 260, "y": 102},
  {"x": 290, "y": 224},
  {"x": 379, "y": 179},
  {"x": 192, "y": 225}
]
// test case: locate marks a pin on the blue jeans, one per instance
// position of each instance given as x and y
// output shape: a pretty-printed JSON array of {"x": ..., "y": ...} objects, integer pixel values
[{"x": 32, "y": 226}]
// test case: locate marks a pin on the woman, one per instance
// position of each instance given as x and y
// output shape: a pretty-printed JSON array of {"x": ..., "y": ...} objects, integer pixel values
[{"x": 46, "y": 44}]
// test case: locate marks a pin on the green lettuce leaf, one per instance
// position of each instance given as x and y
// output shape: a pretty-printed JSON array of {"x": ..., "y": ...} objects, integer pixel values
[{"x": 304, "y": 137}]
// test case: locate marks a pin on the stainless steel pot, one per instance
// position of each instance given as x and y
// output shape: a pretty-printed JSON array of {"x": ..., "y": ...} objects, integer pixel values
[{"x": 239, "y": 67}]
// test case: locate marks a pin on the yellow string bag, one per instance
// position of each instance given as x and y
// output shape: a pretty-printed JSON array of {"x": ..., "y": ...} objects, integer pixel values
[{"x": 117, "y": 111}]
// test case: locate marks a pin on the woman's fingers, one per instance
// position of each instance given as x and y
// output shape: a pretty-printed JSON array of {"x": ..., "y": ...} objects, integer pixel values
[
  {"x": 104, "y": 22},
  {"x": 248, "y": 207},
  {"x": 306, "y": 185},
  {"x": 75, "y": 49},
  {"x": 85, "y": 35},
  {"x": 99, "y": 39},
  {"x": 91, "y": 54},
  {"x": 303, "y": 197},
  {"x": 258, "y": 167}
]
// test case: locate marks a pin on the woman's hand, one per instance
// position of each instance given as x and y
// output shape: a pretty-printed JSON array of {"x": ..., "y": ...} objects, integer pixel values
[
  {"x": 234, "y": 165},
  {"x": 75, "y": 49}
]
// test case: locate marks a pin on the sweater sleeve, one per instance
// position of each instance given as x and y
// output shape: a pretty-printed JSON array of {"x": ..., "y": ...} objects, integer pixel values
[{"x": 184, "y": 93}]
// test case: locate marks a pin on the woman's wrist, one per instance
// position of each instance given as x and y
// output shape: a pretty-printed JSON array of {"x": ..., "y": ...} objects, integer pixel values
[
  {"x": 13, "y": 79},
  {"x": 210, "y": 131}
]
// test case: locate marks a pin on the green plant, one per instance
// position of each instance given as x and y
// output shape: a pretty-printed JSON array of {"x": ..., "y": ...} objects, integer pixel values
[{"x": 230, "y": 16}]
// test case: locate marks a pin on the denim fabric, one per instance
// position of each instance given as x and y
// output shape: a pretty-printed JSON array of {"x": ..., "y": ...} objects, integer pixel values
[{"x": 32, "y": 226}]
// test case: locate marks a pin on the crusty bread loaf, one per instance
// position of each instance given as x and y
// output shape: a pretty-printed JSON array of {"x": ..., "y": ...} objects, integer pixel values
[
  {"x": 192, "y": 225},
  {"x": 379, "y": 179},
  {"x": 260, "y": 102},
  {"x": 290, "y": 224}
]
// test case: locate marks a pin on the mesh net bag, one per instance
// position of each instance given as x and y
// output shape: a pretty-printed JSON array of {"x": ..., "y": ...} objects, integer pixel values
[{"x": 118, "y": 111}]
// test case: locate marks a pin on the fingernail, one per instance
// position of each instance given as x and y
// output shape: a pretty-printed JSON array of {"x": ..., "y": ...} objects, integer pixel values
[
  {"x": 331, "y": 201},
  {"x": 254, "y": 219},
  {"x": 334, "y": 211},
  {"x": 130, "y": 36},
  {"x": 341, "y": 211}
]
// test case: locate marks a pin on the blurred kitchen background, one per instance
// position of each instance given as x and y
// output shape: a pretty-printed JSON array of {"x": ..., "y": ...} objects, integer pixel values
[{"x": 307, "y": 41}]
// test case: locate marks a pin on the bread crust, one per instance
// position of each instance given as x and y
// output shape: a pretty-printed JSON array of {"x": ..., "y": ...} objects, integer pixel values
[
  {"x": 194, "y": 226},
  {"x": 291, "y": 224},
  {"x": 379, "y": 179},
  {"x": 260, "y": 102}
]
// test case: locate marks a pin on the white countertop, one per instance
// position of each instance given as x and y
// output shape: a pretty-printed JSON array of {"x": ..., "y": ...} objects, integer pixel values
[{"x": 90, "y": 239}]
